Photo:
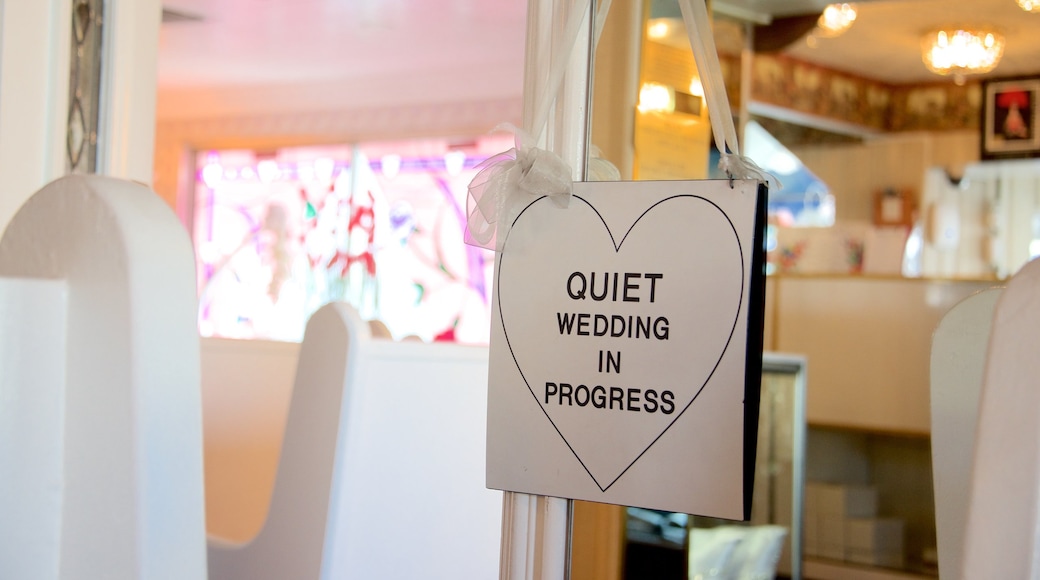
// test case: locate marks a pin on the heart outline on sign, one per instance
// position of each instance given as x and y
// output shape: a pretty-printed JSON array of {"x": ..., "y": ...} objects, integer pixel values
[{"x": 617, "y": 245}]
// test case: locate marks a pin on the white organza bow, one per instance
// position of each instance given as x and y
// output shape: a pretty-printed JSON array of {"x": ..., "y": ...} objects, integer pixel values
[{"x": 522, "y": 170}]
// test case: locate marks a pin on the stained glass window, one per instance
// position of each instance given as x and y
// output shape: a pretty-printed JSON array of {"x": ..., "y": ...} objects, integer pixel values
[{"x": 380, "y": 225}]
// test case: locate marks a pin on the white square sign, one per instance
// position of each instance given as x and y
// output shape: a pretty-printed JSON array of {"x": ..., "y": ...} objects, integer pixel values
[{"x": 626, "y": 346}]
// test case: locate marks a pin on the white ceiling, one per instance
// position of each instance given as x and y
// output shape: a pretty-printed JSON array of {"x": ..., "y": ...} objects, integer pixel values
[{"x": 415, "y": 49}]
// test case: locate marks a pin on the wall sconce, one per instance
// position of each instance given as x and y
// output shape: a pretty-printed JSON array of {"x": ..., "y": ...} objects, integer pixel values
[{"x": 656, "y": 98}]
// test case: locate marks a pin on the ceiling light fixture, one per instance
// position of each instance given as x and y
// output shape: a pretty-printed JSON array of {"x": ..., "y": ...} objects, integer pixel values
[
  {"x": 1029, "y": 5},
  {"x": 835, "y": 20},
  {"x": 961, "y": 51}
]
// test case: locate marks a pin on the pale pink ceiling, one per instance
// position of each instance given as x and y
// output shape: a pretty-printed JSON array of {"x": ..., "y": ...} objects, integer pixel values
[
  {"x": 398, "y": 51},
  {"x": 291, "y": 41}
]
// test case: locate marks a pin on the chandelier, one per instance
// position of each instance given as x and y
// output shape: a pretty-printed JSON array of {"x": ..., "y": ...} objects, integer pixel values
[
  {"x": 962, "y": 51},
  {"x": 836, "y": 19},
  {"x": 1029, "y": 5}
]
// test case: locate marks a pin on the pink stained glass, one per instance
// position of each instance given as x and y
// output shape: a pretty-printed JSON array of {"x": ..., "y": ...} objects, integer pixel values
[{"x": 379, "y": 225}]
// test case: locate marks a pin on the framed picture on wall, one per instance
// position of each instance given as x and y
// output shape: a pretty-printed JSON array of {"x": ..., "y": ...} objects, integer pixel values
[{"x": 1011, "y": 118}]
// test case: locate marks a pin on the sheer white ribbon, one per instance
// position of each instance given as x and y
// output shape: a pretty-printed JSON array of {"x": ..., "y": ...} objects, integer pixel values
[
  {"x": 526, "y": 170},
  {"x": 702, "y": 41}
]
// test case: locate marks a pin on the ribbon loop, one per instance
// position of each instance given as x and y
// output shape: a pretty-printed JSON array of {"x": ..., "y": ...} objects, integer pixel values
[
  {"x": 702, "y": 42},
  {"x": 500, "y": 179},
  {"x": 600, "y": 168},
  {"x": 544, "y": 173},
  {"x": 738, "y": 166},
  {"x": 534, "y": 171}
]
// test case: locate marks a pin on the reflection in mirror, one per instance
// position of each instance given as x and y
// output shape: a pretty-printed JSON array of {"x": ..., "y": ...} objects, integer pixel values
[
  {"x": 666, "y": 545},
  {"x": 804, "y": 199},
  {"x": 650, "y": 120}
]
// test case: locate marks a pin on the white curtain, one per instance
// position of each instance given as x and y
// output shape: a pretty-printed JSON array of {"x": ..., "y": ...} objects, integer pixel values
[{"x": 983, "y": 225}]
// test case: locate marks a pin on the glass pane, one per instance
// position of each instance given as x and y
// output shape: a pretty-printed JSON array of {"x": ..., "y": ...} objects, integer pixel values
[{"x": 671, "y": 139}]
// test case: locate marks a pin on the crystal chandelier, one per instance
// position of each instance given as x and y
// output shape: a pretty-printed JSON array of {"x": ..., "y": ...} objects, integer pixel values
[
  {"x": 1029, "y": 5},
  {"x": 836, "y": 19},
  {"x": 962, "y": 51}
]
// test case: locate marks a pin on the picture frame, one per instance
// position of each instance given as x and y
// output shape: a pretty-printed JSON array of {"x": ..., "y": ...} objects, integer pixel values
[{"x": 1010, "y": 121}]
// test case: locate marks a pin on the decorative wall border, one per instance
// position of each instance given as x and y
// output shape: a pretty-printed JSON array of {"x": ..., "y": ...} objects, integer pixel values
[{"x": 786, "y": 83}]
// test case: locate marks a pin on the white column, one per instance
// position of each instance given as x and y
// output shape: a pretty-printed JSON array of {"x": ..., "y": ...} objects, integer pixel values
[
  {"x": 534, "y": 537},
  {"x": 535, "y": 528}
]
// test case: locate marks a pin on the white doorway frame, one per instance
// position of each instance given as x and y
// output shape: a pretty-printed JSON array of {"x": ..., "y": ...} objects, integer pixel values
[{"x": 536, "y": 529}]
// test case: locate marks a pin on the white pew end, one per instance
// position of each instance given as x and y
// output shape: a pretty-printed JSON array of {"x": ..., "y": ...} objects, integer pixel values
[
  {"x": 100, "y": 414},
  {"x": 381, "y": 472},
  {"x": 1003, "y": 522},
  {"x": 957, "y": 361}
]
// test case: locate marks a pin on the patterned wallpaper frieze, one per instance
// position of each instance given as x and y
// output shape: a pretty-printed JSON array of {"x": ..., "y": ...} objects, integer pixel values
[{"x": 806, "y": 88}]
